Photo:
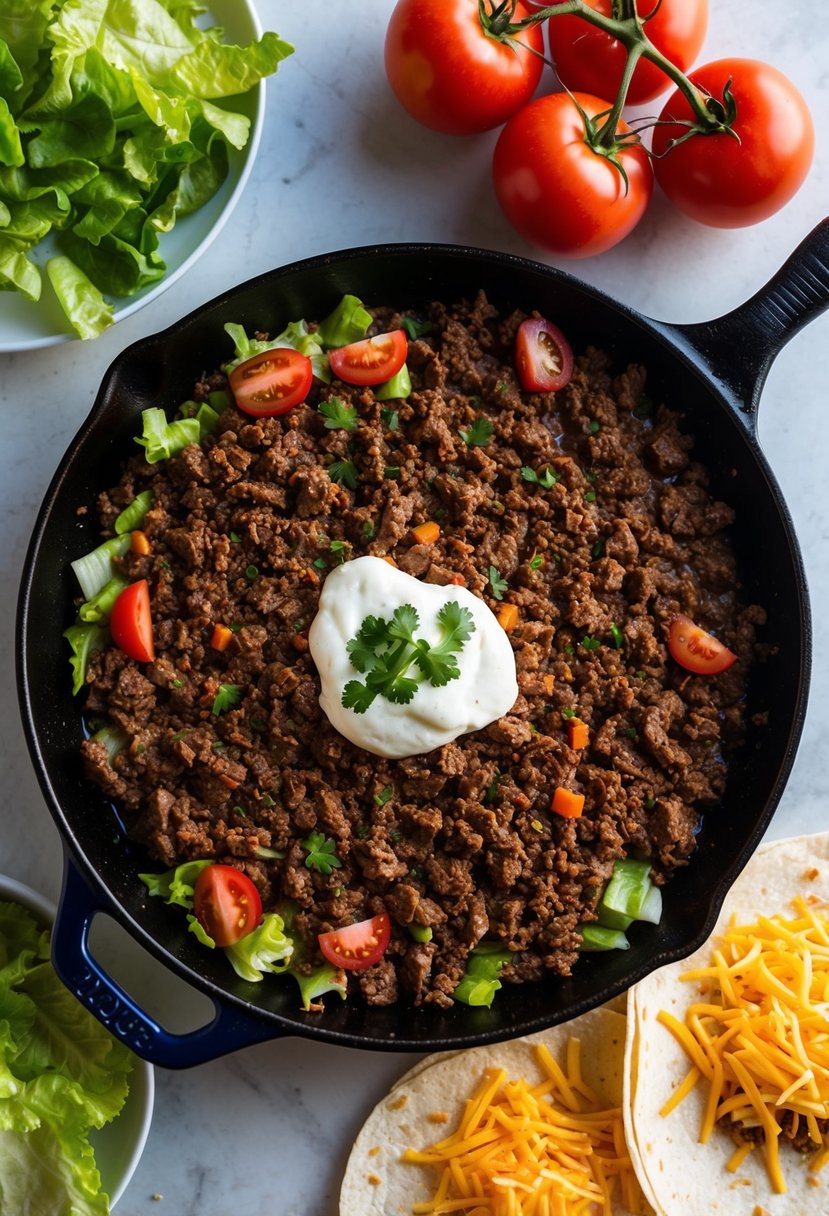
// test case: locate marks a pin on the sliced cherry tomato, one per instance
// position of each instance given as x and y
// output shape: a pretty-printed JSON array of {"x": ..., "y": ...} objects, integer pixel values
[
  {"x": 730, "y": 182},
  {"x": 131, "y": 623},
  {"x": 555, "y": 190},
  {"x": 543, "y": 357},
  {"x": 371, "y": 361},
  {"x": 696, "y": 650},
  {"x": 272, "y": 382},
  {"x": 357, "y": 946},
  {"x": 450, "y": 73},
  {"x": 226, "y": 903},
  {"x": 590, "y": 61}
]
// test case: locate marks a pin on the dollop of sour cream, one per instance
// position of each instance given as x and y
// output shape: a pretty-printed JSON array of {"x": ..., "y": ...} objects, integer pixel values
[{"x": 485, "y": 690}]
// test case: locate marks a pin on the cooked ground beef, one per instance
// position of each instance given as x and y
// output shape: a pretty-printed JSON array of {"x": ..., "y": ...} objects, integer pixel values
[{"x": 244, "y": 530}]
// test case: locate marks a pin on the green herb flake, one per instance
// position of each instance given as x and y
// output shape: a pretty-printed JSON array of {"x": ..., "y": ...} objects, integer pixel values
[
  {"x": 322, "y": 853},
  {"x": 240, "y": 810},
  {"x": 650, "y": 803},
  {"x": 320, "y": 563},
  {"x": 598, "y": 547},
  {"x": 590, "y": 496},
  {"x": 344, "y": 473},
  {"x": 491, "y": 792},
  {"x": 251, "y": 572},
  {"x": 267, "y": 800},
  {"x": 414, "y": 328},
  {"x": 617, "y": 635},
  {"x": 391, "y": 472},
  {"x": 235, "y": 538},
  {"x": 590, "y": 643},
  {"x": 384, "y": 796},
  {"x": 177, "y": 683},
  {"x": 498, "y": 584},
  {"x": 536, "y": 561},
  {"x": 368, "y": 528},
  {"x": 479, "y": 434},
  {"x": 338, "y": 416},
  {"x": 546, "y": 478},
  {"x": 227, "y": 696},
  {"x": 341, "y": 548},
  {"x": 391, "y": 418},
  {"x": 594, "y": 427},
  {"x": 363, "y": 831},
  {"x": 631, "y": 732}
]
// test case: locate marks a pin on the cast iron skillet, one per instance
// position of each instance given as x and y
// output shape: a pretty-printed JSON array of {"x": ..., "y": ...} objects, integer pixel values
[{"x": 713, "y": 371}]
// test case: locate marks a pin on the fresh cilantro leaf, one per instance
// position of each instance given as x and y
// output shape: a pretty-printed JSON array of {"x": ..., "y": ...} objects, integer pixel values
[
  {"x": 362, "y": 649},
  {"x": 340, "y": 547},
  {"x": 344, "y": 472},
  {"x": 492, "y": 789},
  {"x": 415, "y": 329},
  {"x": 402, "y": 690},
  {"x": 479, "y": 433},
  {"x": 391, "y": 418},
  {"x": 384, "y": 796},
  {"x": 392, "y": 471},
  {"x": 403, "y": 623},
  {"x": 322, "y": 853},
  {"x": 617, "y": 635},
  {"x": 497, "y": 583},
  {"x": 338, "y": 416},
  {"x": 536, "y": 561},
  {"x": 546, "y": 478},
  {"x": 227, "y": 696},
  {"x": 590, "y": 643},
  {"x": 319, "y": 563},
  {"x": 438, "y": 663},
  {"x": 358, "y": 696},
  {"x": 368, "y": 528}
]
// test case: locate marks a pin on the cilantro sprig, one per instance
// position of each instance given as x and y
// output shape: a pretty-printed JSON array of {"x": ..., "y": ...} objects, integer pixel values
[
  {"x": 385, "y": 650},
  {"x": 338, "y": 415},
  {"x": 497, "y": 582},
  {"x": 322, "y": 853},
  {"x": 545, "y": 478},
  {"x": 344, "y": 472},
  {"x": 479, "y": 434},
  {"x": 227, "y": 696}
]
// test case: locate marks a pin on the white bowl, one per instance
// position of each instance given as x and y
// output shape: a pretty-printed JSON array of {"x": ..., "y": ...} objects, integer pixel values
[
  {"x": 28, "y": 325},
  {"x": 119, "y": 1144}
]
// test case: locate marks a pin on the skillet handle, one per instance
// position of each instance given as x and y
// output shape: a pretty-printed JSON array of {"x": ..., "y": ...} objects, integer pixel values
[
  {"x": 741, "y": 346},
  {"x": 112, "y": 1006}
]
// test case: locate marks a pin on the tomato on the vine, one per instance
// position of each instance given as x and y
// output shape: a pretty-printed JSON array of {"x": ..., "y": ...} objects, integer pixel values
[
  {"x": 591, "y": 61},
  {"x": 543, "y": 356},
  {"x": 356, "y": 947},
  {"x": 226, "y": 903},
  {"x": 733, "y": 180},
  {"x": 451, "y": 74},
  {"x": 555, "y": 190},
  {"x": 371, "y": 360},
  {"x": 131, "y": 624},
  {"x": 696, "y": 650},
  {"x": 272, "y": 382}
]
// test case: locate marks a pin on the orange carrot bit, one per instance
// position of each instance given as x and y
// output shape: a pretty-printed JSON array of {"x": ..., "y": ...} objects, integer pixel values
[
  {"x": 310, "y": 576},
  {"x": 579, "y": 734},
  {"x": 390, "y": 560},
  {"x": 140, "y": 543},
  {"x": 426, "y": 534},
  {"x": 220, "y": 638},
  {"x": 549, "y": 682},
  {"x": 566, "y": 803},
  {"x": 457, "y": 580},
  {"x": 508, "y": 617}
]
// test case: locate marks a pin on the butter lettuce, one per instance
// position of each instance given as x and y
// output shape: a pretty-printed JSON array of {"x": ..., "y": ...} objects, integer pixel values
[
  {"x": 61, "y": 1075},
  {"x": 116, "y": 113}
]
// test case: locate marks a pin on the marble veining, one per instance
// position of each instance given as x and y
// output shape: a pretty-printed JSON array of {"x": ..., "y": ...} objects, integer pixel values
[{"x": 266, "y": 1132}]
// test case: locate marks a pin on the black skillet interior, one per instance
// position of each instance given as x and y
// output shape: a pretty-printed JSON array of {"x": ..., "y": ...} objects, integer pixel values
[{"x": 161, "y": 369}]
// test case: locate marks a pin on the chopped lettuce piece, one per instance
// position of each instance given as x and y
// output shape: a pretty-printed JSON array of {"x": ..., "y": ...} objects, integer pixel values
[
  {"x": 348, "y": 322},
  {"x": 195, "y": 927},
  {"x": 113, "y": 739},
  {"x": 318, "y": 981},
  {"x": 132, "y": 516},
  {"x": 598, "y": 937},
  {"x": 625, "y": 895},
  {"x": 295, "y": 335},
  {"x": 84, "y": 305},
  {"x": 94, "y": 570},
  {"x": 83, "y": 639},
  {"x": 161, "y": 438},
  {"x": 176, "y": 886},
  {"x": 100, "y": 606},
  {"x": 399, "y": 387},
  {"x": 266, "y": 948},
  {"x": 480, "y": 982}
]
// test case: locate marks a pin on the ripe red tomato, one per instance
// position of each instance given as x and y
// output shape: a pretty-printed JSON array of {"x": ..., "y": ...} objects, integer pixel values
[
  {"x": 696, "y": 650},
  {"x": 452, "y": 76},
  {"x": 591, "y": 61},
  {"x": 555, "y": 190},
  {"x": 226, "y": 903},
  {"x": 131, "y": 624},
  {"x": 543, "y": 357},
  {"x": 728, "y": 182},
  {"x": 357, "y": 946},
  {"x": 272, "y": 382},
  {"x": 372, "y": 360}
]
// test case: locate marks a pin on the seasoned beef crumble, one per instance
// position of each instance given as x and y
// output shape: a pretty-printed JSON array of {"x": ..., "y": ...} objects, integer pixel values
[{"x": 244, "y": 529}]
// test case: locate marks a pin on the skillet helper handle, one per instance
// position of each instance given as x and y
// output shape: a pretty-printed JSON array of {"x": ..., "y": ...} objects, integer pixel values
[
  {"x": 742, "y": 344},
  {"x": 111, "y": 1005}
]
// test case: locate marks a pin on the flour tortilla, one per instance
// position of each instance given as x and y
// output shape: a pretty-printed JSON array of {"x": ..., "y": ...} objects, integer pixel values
[
  {"x": 378, "y": 1183},
  {"x": 680, "y": 1176}
]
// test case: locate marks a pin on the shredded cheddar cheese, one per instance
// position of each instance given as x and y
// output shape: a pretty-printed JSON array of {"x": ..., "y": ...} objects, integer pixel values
[
  {"x": 759, "y": 1035},
  {"x": 550, "y": 1149}
]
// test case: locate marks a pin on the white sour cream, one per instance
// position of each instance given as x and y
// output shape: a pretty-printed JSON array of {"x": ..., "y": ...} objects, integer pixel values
[{"x": 485, "y": 690}]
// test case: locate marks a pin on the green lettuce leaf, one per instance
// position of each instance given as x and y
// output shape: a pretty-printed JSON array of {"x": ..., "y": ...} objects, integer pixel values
[
  {"x": 217, "y": 70},
  {"x": 267, "y": 948},
  {"x": 86, "y": 309},
  {"x": 94, "y": 570},
  {"x": 83, "y": 639},
  {"x": 176, "y": 886}
]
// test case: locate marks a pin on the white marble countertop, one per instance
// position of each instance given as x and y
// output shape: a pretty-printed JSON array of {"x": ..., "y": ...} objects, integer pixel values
[{"x": 267, "y": 1130}]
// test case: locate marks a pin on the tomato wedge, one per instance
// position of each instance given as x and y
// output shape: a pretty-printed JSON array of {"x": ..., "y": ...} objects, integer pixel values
[
  {"x": 543, "y": 356},
  {"x": 131, "y": 623},
  {"x": 272, "y": 382},
  {"x": 696, "y": 650},
  {"x": 372, "y": 360},
  {"x": 356, "y": 947},
  {"x": 226, "y": 903}
]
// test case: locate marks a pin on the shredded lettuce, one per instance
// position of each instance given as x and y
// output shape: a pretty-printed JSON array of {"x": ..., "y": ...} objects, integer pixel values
[
  {"x": 295, "y": 335},
  {"x": 100, "y": 606},
  {"x": 318, "y": 981},
  {"x": 480, "y": 982},
  {"x": 348, "y": 322},
  {"x": 133, "y": 516},
  {"x": 113, "y": 739},
  {"x": 399, "y": 387},
  {"x": 161, "y": 438},
  {"x": 267, "y": 948},
  {"x": 83, "y": 639},
  {"x": 176, "y": 886},
  {"x": 94, "y": 570},
  {"x": 61, "y": 1075},
  {"x": 109, "y": 110}
]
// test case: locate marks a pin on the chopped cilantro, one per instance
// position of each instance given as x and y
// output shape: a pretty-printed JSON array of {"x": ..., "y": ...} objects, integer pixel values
[
  {"x": 545, "y": 478},
  {"x": 392, "y": 471},
  {"x": 267, "y": 800},
  {"x": 363, "y": 830},
  {"x": 391, "y": 418},
  {"x": 650, "y": 803},
  {"x": 598, "y": 547},
  {"x": 235, "y": 538},
  {"x": 320, "y": 563},
  {"x": 567, "y": 712},
  {"x": 338, "y": 416},
  {"x": 322, "y": 853},
  {"x": 177, "y": 683},
  {"x": 341, "y": 548},
  {"x": 491, "y": 792},
  {"x": 617, "y": 635},
  {"x": 479, "y": 433},
  {"x": 631, "y": 732},
  {"x": 384, "y": 650},
  {"x": 590, "y": 496},
  {"x": 590, "y": 643},
  {"x": 251, "y": 572},
  {"x": 227, "y": 696},
  {"x": 501, "y": 386},
  {"x": 415, "y": 329},
  {"x": 344, "y": 472},
  {"x": 240, "y": 810},
  {"x": 594, "y": 427},
  {"x": 385, "y": 794},
  {"x": 536, "y": 561},
  {"x": 498, "y": 584},
  {"x": 368, "y": 528}
]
